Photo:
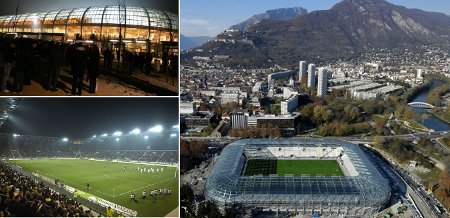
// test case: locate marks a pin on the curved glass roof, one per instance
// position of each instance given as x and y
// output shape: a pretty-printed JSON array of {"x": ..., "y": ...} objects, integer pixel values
[
  {"x": 226, "y": 184},
  {"x": 106, "y": 15}
]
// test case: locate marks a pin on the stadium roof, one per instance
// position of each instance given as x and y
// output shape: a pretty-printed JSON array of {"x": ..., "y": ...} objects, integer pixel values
[
  {"x": 105, "y": 15},
  {"x": 226, "y": 184}
]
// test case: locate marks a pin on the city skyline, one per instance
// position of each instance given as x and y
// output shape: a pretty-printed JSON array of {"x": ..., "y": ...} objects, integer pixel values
[{"x": 209, "y": 18}]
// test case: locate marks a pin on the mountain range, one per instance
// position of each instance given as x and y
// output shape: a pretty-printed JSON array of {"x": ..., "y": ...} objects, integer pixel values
[
  {"x": 347, "y": 29},
  {"x": 276, "y": 14}
]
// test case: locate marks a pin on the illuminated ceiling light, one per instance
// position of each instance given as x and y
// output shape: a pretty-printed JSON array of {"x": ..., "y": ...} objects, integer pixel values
[
  {"x": 135, "y": 131},
  {"x": 65, "y": 139},
  {"x": 157, "y": 128},
  {"x": 117, "y": 133}
]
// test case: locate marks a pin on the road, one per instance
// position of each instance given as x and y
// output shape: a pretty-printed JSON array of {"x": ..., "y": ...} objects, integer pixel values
[{"x": 360, "y": 140}]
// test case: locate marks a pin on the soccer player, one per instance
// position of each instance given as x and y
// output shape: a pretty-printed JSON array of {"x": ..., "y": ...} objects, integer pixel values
[
  {"x": 88, "y": 186},
  {"x": 144, "y": 195},
  {"x": 124, "y": 168},
  {"x": 133, "y": 197}
]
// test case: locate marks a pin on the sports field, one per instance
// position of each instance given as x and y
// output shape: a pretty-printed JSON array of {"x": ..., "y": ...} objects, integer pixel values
[
  {"x": 295, "y": 167},
  {"x": 104, "y": 177}
]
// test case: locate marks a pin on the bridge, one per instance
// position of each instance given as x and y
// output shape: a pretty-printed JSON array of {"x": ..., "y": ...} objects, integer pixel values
[{"x": 421, "y": 105}]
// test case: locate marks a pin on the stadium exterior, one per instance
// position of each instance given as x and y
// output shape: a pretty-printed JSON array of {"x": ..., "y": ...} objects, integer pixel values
[
  {"x": 142, "y": 29},
  {"x": 361, "y": 192}
]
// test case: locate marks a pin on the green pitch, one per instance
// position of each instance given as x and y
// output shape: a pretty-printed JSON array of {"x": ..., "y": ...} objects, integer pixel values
[
  {"x": 295, "y": 167},
  {"x": 103, "y": 177}
]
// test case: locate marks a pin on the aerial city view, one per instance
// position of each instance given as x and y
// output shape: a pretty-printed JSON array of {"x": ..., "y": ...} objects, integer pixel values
[
  {"x": 334, "y": 108},
  {"x": 93, "y": 48},
  {"x": 67, "y": 157}
]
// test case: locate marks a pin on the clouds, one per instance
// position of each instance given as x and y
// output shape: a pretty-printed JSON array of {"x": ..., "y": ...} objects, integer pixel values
[
  {"x": 200, "y": 22},
  {"x": 200, "y": 27}
]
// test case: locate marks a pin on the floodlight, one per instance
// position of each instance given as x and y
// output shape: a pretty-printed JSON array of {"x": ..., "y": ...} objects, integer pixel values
[
  {"x": 135, "y": 131},
  {"x": 94, "y": 136},
  {"x": 104, "y": 135},
  {"x": 176, "y": 127},
  {"x": 65, "y": 139},
  {"x": 117, "y": 139},
  {"x": 173, "y": 135},
  {"x": 157, "y": 128},
  {"x": 146, "y": 137},
  {"x": 15, "y": 135},
  {"x": 117, "y": 133}
]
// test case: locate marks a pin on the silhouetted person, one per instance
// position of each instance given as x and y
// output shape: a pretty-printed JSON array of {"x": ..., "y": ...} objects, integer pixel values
[
  {"x": 34, "y": 63},
  {"x": 78, "y": 65},
  {"x": 165, "y": 62},
  {"x": 93, "y": 67},
  {"x": 55, "y": 62},
  {"x": 108, "y": 59},
  {"x": 9, "y": 56},
  {"x": 148, "y": 63},
  {"x": 22, "y": 65}
]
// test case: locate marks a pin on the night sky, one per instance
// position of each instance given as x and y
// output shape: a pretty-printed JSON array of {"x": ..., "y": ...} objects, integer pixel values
[
  {"x": 28, "y": 6},
  {"x": 79, "y": 118}
]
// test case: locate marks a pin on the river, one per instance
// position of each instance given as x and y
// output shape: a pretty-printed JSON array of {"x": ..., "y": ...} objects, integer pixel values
[{"x": 432, "y": 122}]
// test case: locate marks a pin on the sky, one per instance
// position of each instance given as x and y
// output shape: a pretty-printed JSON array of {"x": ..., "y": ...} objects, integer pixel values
[
  {"x": 27, "y": 6},
  {"x": 78, "y": 118},
  {"x": 210, "y": 17}
]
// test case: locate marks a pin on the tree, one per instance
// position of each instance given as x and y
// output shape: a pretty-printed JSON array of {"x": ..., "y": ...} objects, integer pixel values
[
  {"x": 424, "y": 117},
  {"x": 208, "y": 209}
]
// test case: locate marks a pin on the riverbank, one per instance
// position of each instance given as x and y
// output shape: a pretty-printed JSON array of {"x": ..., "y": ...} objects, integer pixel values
[{"x": 442, "y": 114}]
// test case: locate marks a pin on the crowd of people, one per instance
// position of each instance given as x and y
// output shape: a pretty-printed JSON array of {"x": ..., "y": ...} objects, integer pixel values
[
  {"x": 24, "y": 197},
  {"x": 42, "y": 61}
]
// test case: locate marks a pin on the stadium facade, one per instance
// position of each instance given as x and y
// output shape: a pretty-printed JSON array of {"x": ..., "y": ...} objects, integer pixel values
[
  {"x": 142, "y": 29},
  {"x": 361, "y": 192}
]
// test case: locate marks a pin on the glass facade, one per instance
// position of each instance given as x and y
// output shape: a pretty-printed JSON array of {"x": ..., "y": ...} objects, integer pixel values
[{"x": 98, "y": 23}]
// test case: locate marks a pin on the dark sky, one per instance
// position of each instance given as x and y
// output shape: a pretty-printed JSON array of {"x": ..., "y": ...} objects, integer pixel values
[
  {"x": 79, "y": 118},
  {"x": 8, "y": 7}
]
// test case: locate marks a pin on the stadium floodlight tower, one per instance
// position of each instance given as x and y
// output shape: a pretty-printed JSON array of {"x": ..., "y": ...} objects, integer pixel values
[
  {"x": 258, "y": 173},
  {"x": 156, "y": 129},
  {"x": 65, "y": 139}
]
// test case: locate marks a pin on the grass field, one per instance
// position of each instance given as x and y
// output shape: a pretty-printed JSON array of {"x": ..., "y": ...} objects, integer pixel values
[
  {"x": 295, "y": 167},
  {"x": 103, "y": 177}
]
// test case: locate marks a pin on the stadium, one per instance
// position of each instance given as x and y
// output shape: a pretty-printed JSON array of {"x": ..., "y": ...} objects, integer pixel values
[
  {"x": 86, "y": 176},
  {"x": 142, "y": 29},
  {"x": 304, "y": 176}
]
